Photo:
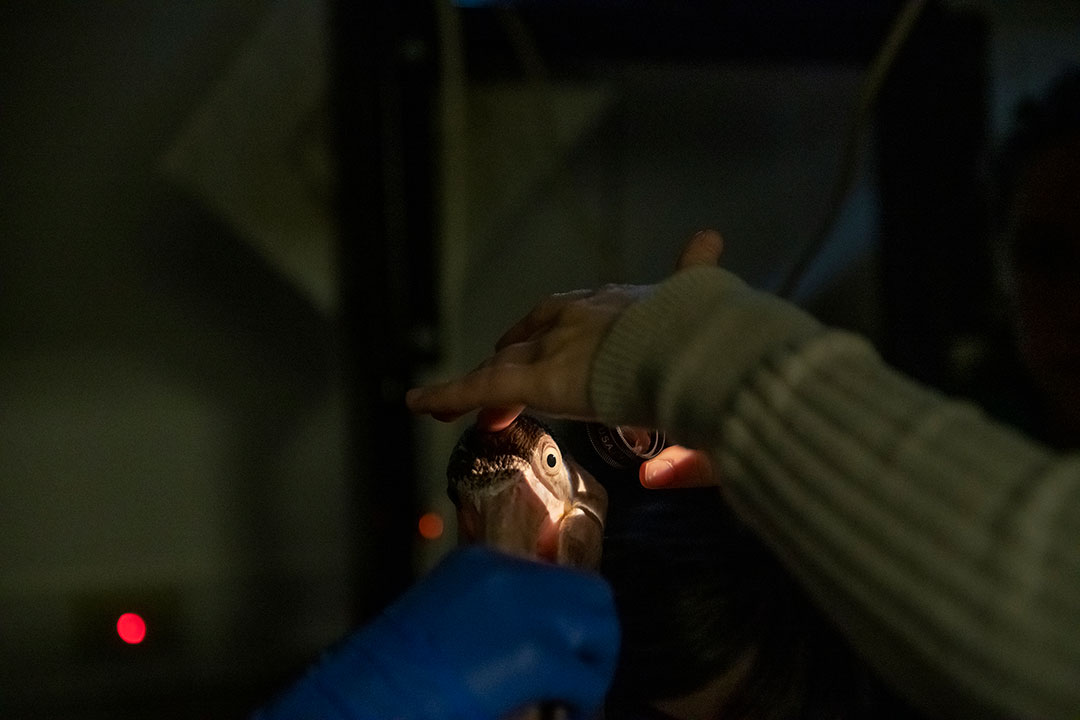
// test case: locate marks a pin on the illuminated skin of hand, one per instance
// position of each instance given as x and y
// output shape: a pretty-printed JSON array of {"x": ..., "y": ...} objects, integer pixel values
[{"x": 515, "y": 491}]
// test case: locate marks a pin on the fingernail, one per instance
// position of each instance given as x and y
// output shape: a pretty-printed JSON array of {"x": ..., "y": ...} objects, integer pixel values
[
  {"x": 412, "y": 396},
  {"x": 658, "y": 474}
]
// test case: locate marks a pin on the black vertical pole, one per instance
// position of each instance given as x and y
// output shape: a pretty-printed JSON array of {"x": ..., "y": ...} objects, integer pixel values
[
  {"x": 384, "y": 95},
  {"x": 931, "y": 143}
]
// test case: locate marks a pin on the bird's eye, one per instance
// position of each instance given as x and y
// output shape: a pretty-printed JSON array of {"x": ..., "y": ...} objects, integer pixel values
[{"x": 548, "y": 458}]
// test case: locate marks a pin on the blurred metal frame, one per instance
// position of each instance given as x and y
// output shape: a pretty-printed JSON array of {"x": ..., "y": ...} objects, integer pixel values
[
  {"x": 577, "y": 37},
  {"x": 384, "y": 87}
]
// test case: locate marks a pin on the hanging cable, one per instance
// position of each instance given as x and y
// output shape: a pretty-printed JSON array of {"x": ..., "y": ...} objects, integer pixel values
[{"x": 853, "y": 150}]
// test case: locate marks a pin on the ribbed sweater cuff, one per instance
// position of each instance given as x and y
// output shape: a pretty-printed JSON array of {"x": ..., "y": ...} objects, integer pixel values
[{"x": 661, "y": 344}]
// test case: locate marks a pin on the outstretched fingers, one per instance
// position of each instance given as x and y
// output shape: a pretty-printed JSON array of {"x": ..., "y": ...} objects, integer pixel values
[
  {"x": 494, "y": 419},
  {"x": 541, "y": 317},
  {"x": 704, "y": 248},
  {"x": 678, "y": 467},
  {"x": 501, "y": 385}
]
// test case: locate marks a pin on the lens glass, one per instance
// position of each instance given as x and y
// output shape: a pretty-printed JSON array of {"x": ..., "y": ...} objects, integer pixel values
[{"x": 638, "y": 440}]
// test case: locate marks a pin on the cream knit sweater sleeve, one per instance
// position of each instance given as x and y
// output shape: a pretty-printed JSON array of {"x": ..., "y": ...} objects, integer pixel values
[{"x": 946, "y": 547}]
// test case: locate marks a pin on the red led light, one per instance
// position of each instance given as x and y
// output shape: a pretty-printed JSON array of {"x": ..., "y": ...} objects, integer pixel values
[
  {"x": 430, "y": 526},
  {"x": 131, "y": 628}
]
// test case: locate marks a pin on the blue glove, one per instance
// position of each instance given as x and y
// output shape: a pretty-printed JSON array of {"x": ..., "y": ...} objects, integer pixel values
[{"x": 484, "y": 634}]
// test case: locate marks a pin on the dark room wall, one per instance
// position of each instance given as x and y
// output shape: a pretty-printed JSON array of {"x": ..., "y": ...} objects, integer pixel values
[{"x": 170, "y": 410}]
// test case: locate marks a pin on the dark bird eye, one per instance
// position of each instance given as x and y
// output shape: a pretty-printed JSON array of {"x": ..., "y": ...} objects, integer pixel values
[{"x": 551, "y": 460}]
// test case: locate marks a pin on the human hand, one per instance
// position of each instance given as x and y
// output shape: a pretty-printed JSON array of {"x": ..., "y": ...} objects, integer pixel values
[
  {"x": 543, "y": 361},
  {"x": 483, "y": 635},
  {"x": 677, "y": 467}
]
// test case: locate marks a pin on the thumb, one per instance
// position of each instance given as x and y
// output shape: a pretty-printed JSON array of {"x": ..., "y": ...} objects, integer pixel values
[
  {"x": 678, "y": 467},
  {"x": 703, "y": 248}
]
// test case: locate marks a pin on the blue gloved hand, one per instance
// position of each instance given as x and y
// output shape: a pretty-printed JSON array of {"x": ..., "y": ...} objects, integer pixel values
[{"x": 484, "y": 634}]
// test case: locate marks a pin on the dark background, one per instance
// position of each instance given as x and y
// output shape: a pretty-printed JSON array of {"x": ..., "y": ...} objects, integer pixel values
[{"x": 232, "y": 234}]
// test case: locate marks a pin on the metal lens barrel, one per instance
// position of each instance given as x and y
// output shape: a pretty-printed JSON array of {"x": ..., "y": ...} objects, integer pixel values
[{"x": 623, "y": 446}]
